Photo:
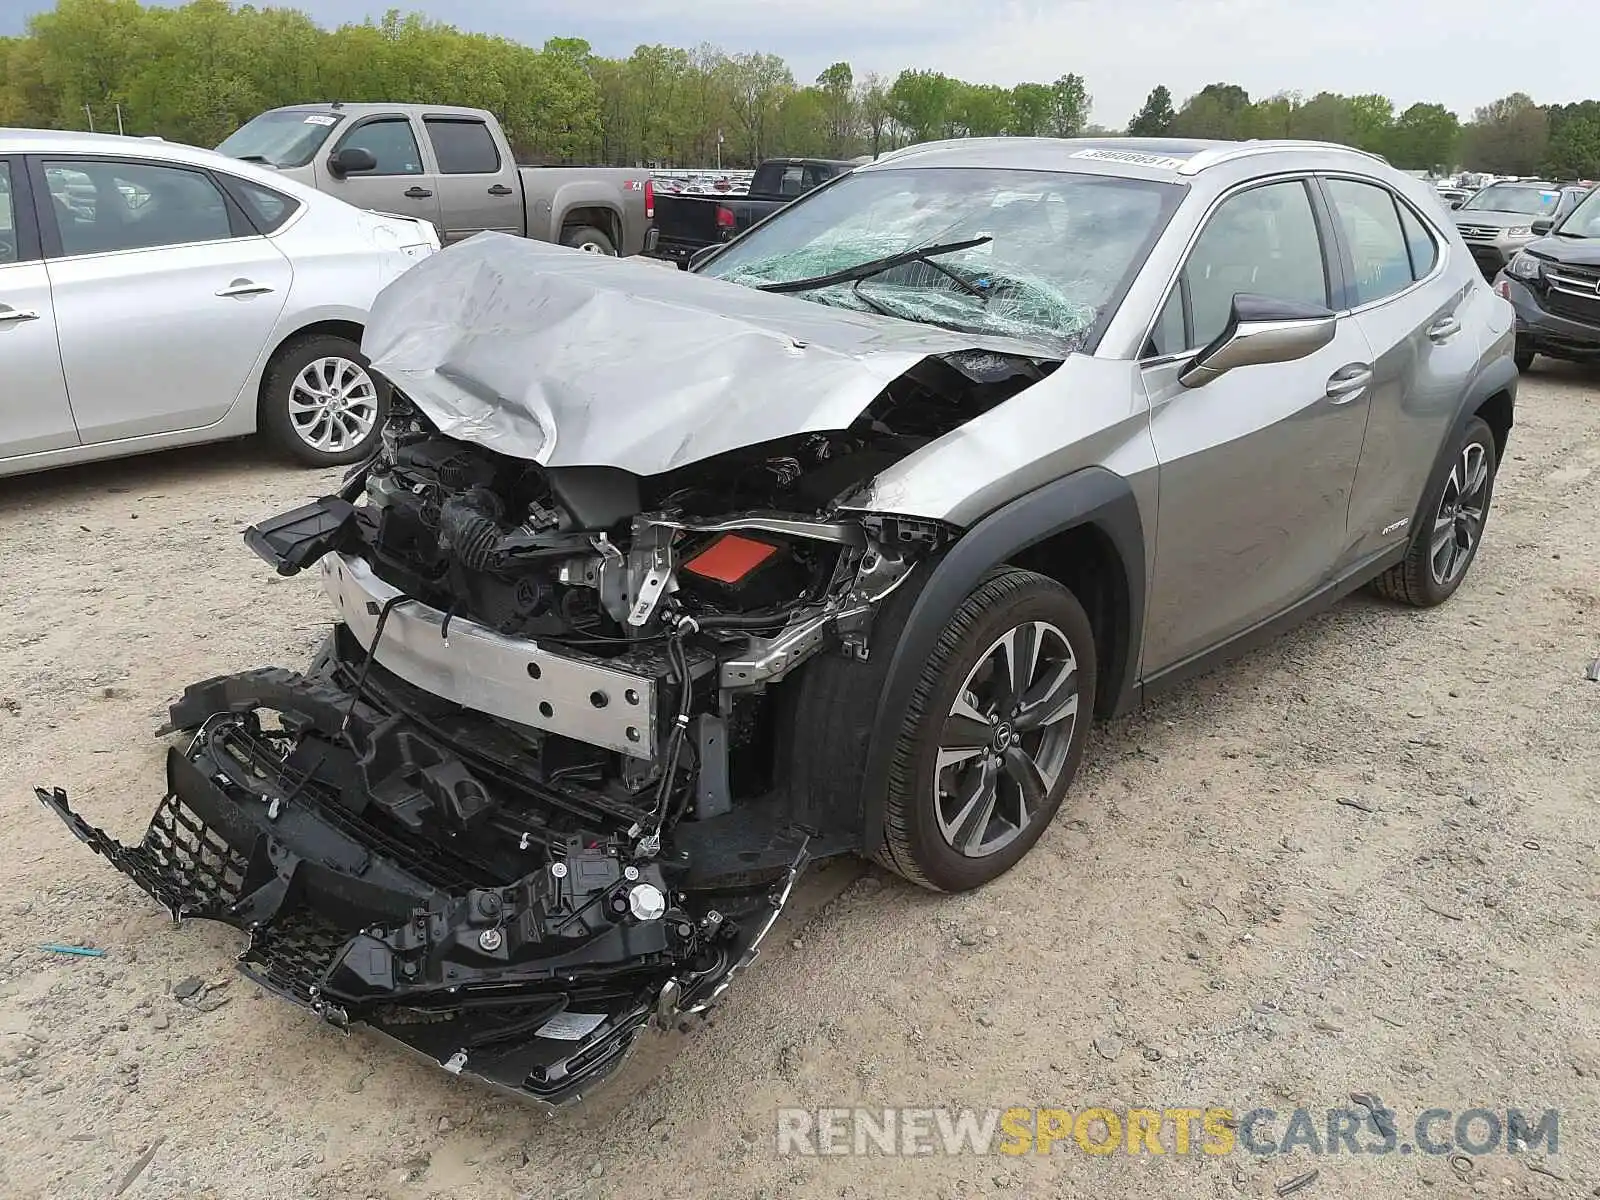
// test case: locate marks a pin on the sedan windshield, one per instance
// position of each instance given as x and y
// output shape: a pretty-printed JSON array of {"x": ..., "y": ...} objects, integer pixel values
[
  {"x": 280, "y": 139},
  {"x": 1499, "y": 197},
  {"x": 1042, "y": 256}
]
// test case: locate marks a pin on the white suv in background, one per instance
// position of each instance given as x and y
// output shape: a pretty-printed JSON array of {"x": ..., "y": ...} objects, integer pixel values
[{"x": 156, "y": 295}]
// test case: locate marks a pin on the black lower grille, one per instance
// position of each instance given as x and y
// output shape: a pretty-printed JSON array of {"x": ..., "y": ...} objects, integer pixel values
[
  {"x": 292, "y": 956},
  {"x": 182, "y": 861}
]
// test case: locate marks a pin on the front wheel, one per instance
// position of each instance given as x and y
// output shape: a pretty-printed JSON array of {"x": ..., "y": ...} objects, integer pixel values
[
  {"x": 993, "y": 735},
  {"x": 320, "y": 402},
  {"x": 1523, "y": 357}
]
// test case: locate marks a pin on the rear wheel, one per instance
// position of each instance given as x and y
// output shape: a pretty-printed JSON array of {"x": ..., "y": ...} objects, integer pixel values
[
  {"x": 320, "y": 402},
  {"x": 1450, "y": 527},
  {"x": 590, "y": 240},
  {"x": 993, "y": 735}
]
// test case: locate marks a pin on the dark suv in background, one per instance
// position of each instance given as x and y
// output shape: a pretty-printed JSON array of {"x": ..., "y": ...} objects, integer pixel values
[{"x": 1554, "y": 285}]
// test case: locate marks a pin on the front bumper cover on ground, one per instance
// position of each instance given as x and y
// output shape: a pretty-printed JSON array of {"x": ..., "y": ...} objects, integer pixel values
[{"x": 516, "y": 981}]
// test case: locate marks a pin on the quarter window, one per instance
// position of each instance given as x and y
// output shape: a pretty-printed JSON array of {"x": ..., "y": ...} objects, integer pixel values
[
  {"x": 1366, "y": 213},
  {"x": 463, "y": 147},
  {"x": 103, "y": 206},
  {"x": 392, "y": 144},
  {"x": 1263, "y": 242},
  {"x": 10, "y": 247},
  {"x": 1424, "y": 250},
  {"x": 268, "y": 209}
]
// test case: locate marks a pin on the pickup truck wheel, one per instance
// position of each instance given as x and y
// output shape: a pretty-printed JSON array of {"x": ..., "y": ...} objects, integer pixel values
[
  {"x": 590, "y": 240},
  {"x": 320, "y": 404},
  {"x": 993, "y": 736},
  {"x": 1523, "y": 357}
]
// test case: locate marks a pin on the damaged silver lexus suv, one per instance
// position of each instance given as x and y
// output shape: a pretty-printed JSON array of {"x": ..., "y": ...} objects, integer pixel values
[{"x": 664, "y": 584}]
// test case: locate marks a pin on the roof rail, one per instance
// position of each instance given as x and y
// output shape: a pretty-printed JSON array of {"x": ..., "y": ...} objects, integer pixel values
[{"x": 1222, "y": 154}]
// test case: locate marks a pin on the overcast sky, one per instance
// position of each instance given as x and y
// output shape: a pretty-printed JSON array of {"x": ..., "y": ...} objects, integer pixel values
[{"x": 1461, "y": 53}]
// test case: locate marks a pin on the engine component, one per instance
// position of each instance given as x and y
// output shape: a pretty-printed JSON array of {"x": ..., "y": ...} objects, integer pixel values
[
  {"x": 743, "y": 573},
  {"x": 469, "y": 525}
]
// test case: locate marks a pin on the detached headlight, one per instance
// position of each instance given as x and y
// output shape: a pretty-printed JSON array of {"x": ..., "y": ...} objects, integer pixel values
[
  {"x": 1519, "y": 231},
  {"x": 1524, "y": 266}
]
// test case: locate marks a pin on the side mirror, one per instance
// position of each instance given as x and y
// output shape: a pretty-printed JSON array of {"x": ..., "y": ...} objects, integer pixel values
[
  {"x": 1261, "y": 330},
  {"x": 351, "y": 161},
  {"x": 1457, "y": 203},
  {"x": 1542, "y": 226},
  {"x": 700, "y": 255}
]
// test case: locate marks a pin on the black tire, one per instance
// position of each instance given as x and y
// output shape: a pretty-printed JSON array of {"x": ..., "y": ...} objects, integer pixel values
[
  {"x": 1523, "y": 357},
  {"x": 587, "y": 237},
  {"x": 914, "y": 846},
  {"x": 278, "y": 386},
  {"x": 1416, "y": 580}
]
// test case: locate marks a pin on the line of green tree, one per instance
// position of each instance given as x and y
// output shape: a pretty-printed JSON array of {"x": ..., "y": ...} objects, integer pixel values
[{"x": 195, "y": 72}]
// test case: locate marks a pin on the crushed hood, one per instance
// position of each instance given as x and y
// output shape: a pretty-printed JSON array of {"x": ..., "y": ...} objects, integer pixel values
[{"x": 573, "y": 359}]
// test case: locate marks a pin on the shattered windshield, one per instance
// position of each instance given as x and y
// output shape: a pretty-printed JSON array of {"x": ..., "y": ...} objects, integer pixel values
[{"x": 1062, "y": 248}]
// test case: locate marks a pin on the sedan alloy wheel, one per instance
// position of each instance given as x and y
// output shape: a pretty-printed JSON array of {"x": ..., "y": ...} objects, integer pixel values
[{"x": 333, "y": 404}]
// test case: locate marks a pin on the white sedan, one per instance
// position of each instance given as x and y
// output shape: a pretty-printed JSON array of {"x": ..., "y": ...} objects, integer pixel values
[{"x": 156, "y": 295}]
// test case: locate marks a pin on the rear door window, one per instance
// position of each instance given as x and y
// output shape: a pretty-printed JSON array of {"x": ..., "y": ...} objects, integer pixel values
[
  {"x": 463, "y": 147},
  {"x": 101, "y": 206},
  {"x": 1370, "y": 222}
]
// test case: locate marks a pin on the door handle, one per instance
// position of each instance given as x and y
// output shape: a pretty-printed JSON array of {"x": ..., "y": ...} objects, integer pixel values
[
  {"x": 1345, "y": 384},
  {"x": 245, "y": 287},
  {"x": 1444, "y": 329},
  {"x": 499, "y": 189},
  {"x": 417, "y": 193},
  {"x": 7, "y": 313}
]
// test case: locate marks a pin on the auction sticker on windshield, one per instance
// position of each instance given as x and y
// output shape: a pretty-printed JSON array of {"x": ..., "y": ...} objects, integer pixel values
[{"x": 321, "y": 119}]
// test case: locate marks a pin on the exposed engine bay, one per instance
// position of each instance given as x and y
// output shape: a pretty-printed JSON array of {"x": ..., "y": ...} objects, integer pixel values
[{"x": 528, "y": 799}]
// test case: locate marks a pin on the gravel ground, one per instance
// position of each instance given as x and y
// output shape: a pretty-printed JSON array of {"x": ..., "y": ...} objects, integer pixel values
[{"x": 1363, "y": 859}]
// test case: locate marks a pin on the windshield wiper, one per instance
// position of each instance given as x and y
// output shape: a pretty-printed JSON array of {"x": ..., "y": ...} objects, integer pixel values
[
  {"x": 877, "y": 266},
  {"x": 260, "y": 158}
]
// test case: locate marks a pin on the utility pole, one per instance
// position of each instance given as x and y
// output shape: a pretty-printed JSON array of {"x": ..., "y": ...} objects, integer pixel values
[
  {"x": 119, "y": 120},
  {"x": 89, "y": 112},
  {"x": 719, "y": 149}
]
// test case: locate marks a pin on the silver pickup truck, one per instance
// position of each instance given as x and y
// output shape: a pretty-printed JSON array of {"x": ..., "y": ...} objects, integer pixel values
[{"x": 452, "y": 166}]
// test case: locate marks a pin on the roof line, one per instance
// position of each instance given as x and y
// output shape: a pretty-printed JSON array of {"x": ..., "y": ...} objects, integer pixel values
[{"x": 1223, "y": 154}]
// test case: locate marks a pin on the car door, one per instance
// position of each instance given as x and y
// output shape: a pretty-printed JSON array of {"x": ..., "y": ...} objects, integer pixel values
[
  {"x": 400, "y": 183},
  {"x": 165, "y": 295},
  {"x": 1255, "y": 467},
  {"x": 477, "y": 185},
  {"x": 1410, "y": 310},
  {"x": 34, "y": 411}
]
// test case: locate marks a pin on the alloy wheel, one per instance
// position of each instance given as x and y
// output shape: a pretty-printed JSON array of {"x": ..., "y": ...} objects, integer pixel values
[
  {"x": 333, "y": 404},
  {"x": 1459, "y": 521},
  {"x": 1006, "y": 739}
]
